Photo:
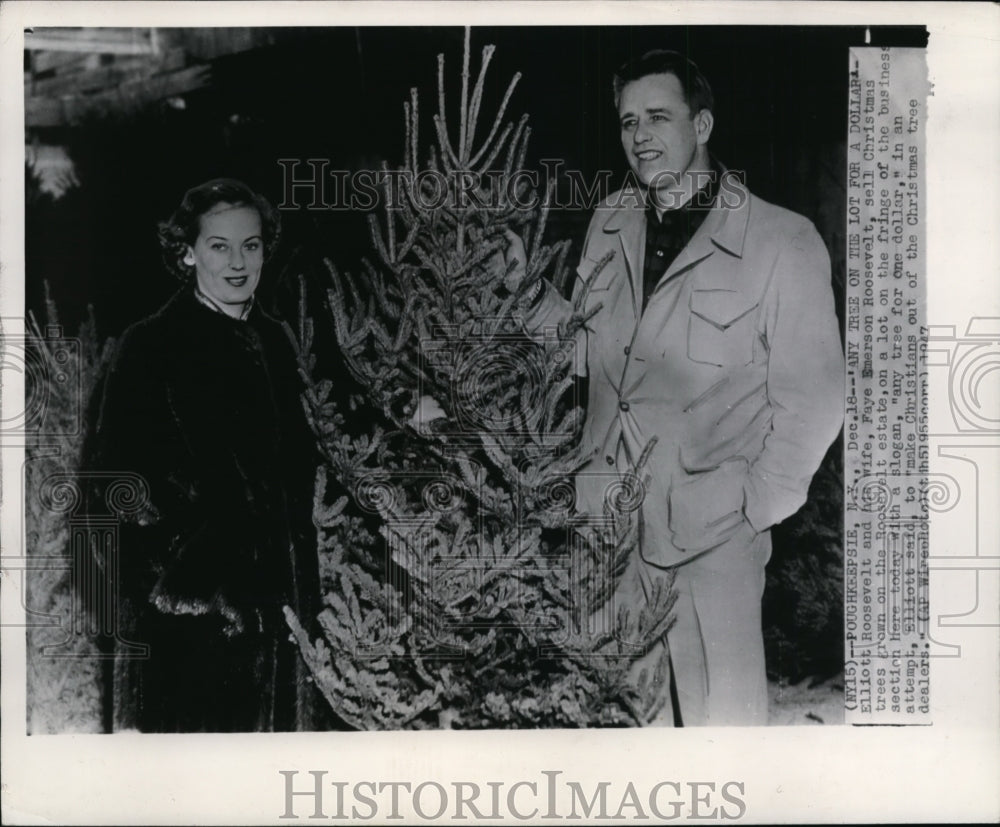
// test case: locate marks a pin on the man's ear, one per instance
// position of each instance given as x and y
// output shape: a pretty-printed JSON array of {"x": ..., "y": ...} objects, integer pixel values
[
  {"x": 703, "y": 123},
  {"x": 189, "y": 257}
]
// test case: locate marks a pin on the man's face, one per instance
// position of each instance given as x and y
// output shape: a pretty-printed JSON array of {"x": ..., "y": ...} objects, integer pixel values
[
  {"x": 660, "y": 138},
  {"x": 228, "y": 255}
]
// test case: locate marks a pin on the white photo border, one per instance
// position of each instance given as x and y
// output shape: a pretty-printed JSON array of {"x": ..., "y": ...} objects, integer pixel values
[{"x": 943, "y": 772}]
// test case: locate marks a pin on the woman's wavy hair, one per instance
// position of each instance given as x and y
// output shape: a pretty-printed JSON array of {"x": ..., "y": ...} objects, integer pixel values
[{"x": 181, "y": 230}]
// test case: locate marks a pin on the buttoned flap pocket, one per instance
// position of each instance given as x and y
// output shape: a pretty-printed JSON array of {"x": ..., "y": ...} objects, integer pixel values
[{"x": 721, "y": 327}]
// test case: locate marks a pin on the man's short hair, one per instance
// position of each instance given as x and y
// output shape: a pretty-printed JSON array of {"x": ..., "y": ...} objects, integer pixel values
[{"x": 697, "y": 92}]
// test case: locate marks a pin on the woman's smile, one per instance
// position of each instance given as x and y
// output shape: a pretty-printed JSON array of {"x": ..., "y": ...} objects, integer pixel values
[{"x": 228, "y": 255}]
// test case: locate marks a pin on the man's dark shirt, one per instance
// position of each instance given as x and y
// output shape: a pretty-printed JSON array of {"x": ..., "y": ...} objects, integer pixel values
[{"x": 666, "y": 237}]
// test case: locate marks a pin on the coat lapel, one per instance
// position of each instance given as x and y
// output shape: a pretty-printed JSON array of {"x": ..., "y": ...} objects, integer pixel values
[
  {"x": 724, "y": 228},
  {"x": 628, "y": 222},
  {"x": 698, "y": 249}
]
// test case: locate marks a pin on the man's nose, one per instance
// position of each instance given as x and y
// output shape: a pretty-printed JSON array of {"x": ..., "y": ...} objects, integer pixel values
[{"x": 640, "y": 135}]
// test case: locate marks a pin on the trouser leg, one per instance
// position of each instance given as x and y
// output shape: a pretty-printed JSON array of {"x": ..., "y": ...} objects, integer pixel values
[
  {"x": 716, "y": 644},
  {"x": 721, "y": 677}
]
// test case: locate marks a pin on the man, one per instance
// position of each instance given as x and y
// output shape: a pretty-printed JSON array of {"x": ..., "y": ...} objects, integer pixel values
[{"x": 717, "y": 335}]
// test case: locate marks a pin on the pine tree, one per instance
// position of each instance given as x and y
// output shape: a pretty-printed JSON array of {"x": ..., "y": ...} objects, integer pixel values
[
  {"x": 485, "y": 603},
  {"x": 63, "y": 663}
]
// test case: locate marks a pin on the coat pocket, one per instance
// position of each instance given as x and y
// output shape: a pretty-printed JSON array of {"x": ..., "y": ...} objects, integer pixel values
[
  {"x": 721, "y": 327},
  {"x": 705, "y": 508}
]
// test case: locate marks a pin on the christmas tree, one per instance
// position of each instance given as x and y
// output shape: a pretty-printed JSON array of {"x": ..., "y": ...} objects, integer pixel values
[
  {"x": 463, "y": 588},
  {"x": 64, "y": 689}
]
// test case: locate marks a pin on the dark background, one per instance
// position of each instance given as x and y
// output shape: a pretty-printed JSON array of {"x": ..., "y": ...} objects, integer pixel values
[{"x": 337, "y": 94}]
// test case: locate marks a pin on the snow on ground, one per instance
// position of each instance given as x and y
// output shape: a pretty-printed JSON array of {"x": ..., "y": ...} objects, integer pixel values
[{"x": 806, "y": 703}]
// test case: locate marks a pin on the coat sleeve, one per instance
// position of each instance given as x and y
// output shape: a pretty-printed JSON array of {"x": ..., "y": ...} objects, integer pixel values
[
  {"x": 132, "y": 436},
  {"x": 805, "y": 380},
  {"x": 553, "y": 309},
  {"x": 177, "y": 551}
]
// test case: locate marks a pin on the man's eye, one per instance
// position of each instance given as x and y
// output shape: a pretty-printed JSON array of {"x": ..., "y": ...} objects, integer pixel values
[
  {"x": 658, "y": 117},
  {"x": 629, "y": 124}
]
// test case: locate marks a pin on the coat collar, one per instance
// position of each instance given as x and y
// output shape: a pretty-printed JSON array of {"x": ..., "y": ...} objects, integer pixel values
[
  {"x": 210, "y": 303},
  {"x": 725, "y": 225}
]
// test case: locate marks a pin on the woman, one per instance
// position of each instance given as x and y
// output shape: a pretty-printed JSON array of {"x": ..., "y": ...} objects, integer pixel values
[{"x": 202, "y": 401}]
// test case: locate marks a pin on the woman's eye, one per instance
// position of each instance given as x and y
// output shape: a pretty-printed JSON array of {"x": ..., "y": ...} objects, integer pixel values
[
  {"x": 252, "y": 245},
  {"x": 218, "y": 246}
]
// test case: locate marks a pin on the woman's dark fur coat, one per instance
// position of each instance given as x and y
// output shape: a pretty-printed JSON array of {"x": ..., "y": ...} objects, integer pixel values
[{"x": 206, "y": 410}]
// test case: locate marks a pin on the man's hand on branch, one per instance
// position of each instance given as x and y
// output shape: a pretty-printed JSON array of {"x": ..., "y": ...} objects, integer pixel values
[
  {"x": 427, "y": 411},
  {"x": 515, "y": 260}
]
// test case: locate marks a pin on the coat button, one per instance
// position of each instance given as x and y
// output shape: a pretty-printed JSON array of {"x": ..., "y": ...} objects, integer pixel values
[
  {"x": 628, "y": 349},
  {"x": 624, "y": 405},
  {"x": 610, "y": 459}
]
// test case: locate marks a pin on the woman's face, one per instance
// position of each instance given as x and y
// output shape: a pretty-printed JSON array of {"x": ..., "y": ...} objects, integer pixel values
[{"x": 228, "y": 254}]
